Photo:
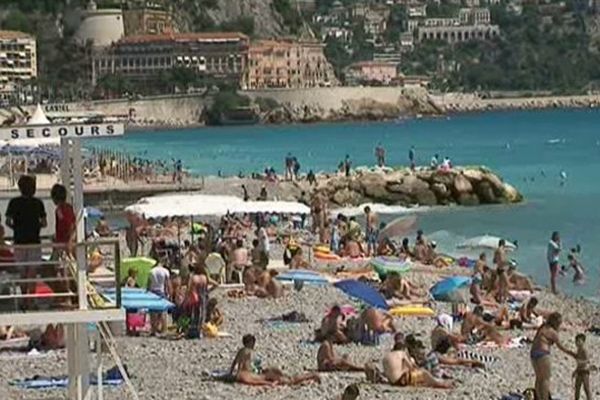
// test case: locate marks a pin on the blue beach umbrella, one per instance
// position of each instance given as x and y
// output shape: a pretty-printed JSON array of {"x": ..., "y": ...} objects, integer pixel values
[
  {"x": 446, "y": 290},
  {"x": 362, "y": 292},
  {"x": 93, "y": 212}
]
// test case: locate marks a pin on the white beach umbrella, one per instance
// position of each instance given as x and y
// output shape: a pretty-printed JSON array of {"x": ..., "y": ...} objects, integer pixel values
[{"x": 485, "y": 242}]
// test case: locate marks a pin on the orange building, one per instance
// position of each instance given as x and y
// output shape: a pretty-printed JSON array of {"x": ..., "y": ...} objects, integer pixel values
[{"x": 287, "y": 64}]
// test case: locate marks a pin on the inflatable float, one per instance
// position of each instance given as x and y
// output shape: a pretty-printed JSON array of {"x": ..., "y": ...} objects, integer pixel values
[
  {"x": 412, "y": 311},
  {"x": 385, "y": 265}
]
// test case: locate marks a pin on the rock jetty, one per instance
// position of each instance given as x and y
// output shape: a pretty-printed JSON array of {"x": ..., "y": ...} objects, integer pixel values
[
  {"x": 424, "y": 187},
  {"x": 462, "y": 186}
]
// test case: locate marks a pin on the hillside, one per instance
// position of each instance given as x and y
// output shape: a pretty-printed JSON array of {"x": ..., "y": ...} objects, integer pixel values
[{"x": 256, "y": 17}]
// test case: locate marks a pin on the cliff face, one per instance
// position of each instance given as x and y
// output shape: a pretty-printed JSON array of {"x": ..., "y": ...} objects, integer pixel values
[{"x": 192, "y": 15}]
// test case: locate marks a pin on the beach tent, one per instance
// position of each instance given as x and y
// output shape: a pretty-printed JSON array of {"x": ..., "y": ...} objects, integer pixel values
[
  {"x": 485, "y": 242},
  {"x": 362, "y": 292},
  {"x": 450, "y": 289},
  {"x": 179, "y": 205}
]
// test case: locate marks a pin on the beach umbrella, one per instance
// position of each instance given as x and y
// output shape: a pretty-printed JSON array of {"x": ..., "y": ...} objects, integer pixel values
[
  {"x": 450, "y": 289},
  {"x": 93, "y": 212},
  {"x": 485, "y": 242},
  {"x": 362, "y": 292},
  {"x": 142, "y": 265},
  {"x": 399, "y": 227}
]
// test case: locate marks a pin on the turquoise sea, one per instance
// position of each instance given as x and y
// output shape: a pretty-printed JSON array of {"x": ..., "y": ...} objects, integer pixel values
[{"x": 529, "y": 149}]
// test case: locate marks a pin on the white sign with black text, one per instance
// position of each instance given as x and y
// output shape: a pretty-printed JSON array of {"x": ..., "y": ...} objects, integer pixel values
[{"x": 61, "y": 131}]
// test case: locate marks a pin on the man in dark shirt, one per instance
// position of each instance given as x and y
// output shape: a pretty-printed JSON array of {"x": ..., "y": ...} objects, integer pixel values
[{"x": 26, "y": 216}]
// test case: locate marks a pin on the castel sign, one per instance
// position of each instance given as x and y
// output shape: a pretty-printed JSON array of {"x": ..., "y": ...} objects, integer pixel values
[{"x": 69, "y": 131}]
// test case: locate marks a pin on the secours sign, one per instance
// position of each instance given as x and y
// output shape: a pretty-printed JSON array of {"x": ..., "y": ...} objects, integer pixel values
[{"x": 70, "y": 131}]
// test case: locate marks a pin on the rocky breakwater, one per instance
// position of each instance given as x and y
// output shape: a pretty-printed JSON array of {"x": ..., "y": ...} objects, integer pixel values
[{"x": 461, "y": 186}]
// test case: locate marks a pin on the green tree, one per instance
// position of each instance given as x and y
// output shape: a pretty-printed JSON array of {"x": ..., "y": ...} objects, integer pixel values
[
  {"x": 335, "y": 51},
  {"x": 16, "y": 20},
  {"x": 241, "y": 24},
  {"x": 291, "y": 17},
  {"x": 396, "y": 23}
]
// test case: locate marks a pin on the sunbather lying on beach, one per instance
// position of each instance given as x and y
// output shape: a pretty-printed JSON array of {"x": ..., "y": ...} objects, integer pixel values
[
  {"x": 9, "y": 332},
  {"x": 474, "y": 329},
  {"x": 443, "y": 331},
  {"x": 397, "y": 287},
  {"x": 241, "y": 369},
  {"x": 327, "y": 361},
  {"x": 477, "y": 296}
]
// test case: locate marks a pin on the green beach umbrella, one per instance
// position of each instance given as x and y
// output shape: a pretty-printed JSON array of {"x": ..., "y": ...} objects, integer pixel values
[{"x": 142, "y": 265}]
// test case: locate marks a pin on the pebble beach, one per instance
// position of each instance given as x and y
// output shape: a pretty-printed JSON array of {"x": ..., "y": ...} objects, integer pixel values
[{"x": 169, "y": 369}]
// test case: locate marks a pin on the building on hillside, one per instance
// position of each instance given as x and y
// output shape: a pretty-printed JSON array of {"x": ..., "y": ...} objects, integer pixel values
[
  {"x": 220, "y": 55},
  {"x": 18, "y": 61},
  {"x": 343, "y": 34},
  {"x": 101, "y": 27},
  {"x": 375, "y": 20},
  {"x": 147, "y": 20},
  {"x": 304, "y": 5},
  {"x": 472, "y": 3},
  {"x": 413, "y": 24},
  {"x": 407, "y": 42},
  {"x": 459, "y": 33},
  {"x": 431, "y": 22},
  {"x": 416, "y": 10},
  {"x": 474, "y": 16},
  {"x": 371, "y": 73},
  {"x": 287, "y": 64}
]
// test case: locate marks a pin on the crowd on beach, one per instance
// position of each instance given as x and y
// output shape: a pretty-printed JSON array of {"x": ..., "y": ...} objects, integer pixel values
[{"x": 239, "y": 249}]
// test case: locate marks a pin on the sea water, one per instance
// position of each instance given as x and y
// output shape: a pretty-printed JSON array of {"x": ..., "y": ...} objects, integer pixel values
[{"x": 530, "y": 149}]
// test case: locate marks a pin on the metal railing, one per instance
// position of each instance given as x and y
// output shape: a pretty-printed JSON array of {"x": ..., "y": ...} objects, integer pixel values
[{"x": 46, "y": 276}]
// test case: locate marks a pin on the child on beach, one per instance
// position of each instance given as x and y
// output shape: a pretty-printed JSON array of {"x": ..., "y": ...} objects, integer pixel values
[
  {"x": 579, "y": 276},
  {"x": 213, "y": 313},
  {"x": 583, "y": 369}
]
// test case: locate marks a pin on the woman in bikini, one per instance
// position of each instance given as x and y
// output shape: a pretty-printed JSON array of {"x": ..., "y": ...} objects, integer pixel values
[{"x": 546, "y": 336}]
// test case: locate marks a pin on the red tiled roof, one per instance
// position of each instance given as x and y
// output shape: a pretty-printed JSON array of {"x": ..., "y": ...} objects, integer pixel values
[
  {"x": 14, "y": 35},
  {"x": 192, "y": 36}
]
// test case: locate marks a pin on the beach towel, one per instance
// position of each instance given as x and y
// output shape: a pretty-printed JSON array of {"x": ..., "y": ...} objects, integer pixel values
[
  {"x": 470, "y": 355},
  {"x": 112, "y": 377},
  {"x": 513, "y": 343}
]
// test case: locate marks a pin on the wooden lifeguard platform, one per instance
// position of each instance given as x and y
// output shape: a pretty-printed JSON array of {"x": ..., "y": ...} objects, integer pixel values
[{"x": 79, "y": 313}]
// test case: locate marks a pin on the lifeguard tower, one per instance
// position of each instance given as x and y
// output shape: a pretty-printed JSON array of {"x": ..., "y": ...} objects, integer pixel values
[{"x": 77, "y": 318}]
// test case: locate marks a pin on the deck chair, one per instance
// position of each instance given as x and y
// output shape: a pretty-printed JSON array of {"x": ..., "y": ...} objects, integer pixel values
[{"x": 215, "y": 266}]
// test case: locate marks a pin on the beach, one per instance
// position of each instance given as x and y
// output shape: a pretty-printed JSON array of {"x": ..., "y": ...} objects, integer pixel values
[{"x": 163, "y": 369}]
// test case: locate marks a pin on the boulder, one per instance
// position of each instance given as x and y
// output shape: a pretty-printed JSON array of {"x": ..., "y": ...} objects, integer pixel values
[
  {"x": 496, "y": 183},
  {"x": 462, "y": 184},
  {"x": 473, "y": 175},
  {"x": 511, "y": 194},
  {"x": 485, "y": 192},
  {"x": 425, "y": 197},
  {"x": 346, "y": 197},
  {"x": 373, "y": 186},
  {"x": 409, "y": 185},
  {"x": 355, "y": 185},
  {"x": 467, "y": 199},
  {"x": 443, "y": 177},
  {"x": 441, "y": 191}
]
